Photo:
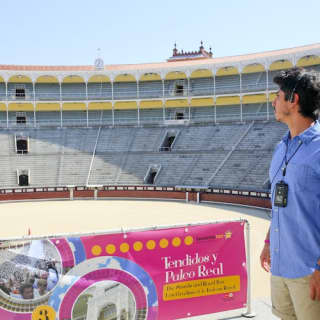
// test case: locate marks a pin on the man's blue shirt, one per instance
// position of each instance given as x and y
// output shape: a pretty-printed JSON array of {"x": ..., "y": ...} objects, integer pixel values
[{"x": 295, "y": 229}]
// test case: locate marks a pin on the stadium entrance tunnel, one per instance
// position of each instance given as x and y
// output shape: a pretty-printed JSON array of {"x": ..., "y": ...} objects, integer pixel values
[
  {"x": 23, "y": 178},
  {"x": 179, "y": 116},
  {"x": 21, "y": 145},
  {"x": 179, "y": 88},
  {"x": 152, "y": 174},
  {"x": 169, "y": 140}
]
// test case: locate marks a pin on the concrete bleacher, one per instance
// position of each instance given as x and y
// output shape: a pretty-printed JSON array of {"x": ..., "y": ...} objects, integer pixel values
[
  {"x": 2, "y": 91},
  {"x": 99, "y": 91},
  {"x": 228, "y": 84},
  {"x": 253, "y": 111},
  {"x": 203, "y": 113},
  {"x": 150, "y": 89},
  {"x": 87, "y": 118},
  {"x": 202, "y": 86},
  {"x": 151, "y": 115},
  {"x": 263, "y": 136},
  {"x": 202, "y": 168},
  {"x": 126, "y": 116},
  {"x": 228, "y": 154},
  {"x": 253, "y": 82},
  {"x": 105, "y": 169},
  {"x": 49, "y": 118},
  {"x": 47, "y": 91},
  {"x": 124, "y": 90},
  {"x": 73, "y": 91}
]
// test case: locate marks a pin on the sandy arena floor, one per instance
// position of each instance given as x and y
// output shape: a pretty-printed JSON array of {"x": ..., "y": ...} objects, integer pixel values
[{"x": 56, "y": 217}]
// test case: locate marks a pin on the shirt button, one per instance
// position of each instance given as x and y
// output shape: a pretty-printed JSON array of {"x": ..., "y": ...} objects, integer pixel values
[
  {"x": 276, "y": 250},
  {"x": 276, "y": 230}
]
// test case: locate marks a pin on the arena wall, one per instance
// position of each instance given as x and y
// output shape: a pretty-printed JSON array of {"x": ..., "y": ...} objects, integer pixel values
[{"x": 240, "y": 197}]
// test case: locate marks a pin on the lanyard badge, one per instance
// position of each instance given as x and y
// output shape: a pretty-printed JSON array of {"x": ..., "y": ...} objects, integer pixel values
[
  {"x": 281, "y": 194},
  {"x": 281, "y": 189}
]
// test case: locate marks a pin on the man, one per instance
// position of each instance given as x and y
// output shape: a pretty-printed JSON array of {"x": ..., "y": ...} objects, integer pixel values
[
  {"x": 42, "y": 288},
  {"x": 26, "y": 291},
  {"x": 292, "y": 245}
]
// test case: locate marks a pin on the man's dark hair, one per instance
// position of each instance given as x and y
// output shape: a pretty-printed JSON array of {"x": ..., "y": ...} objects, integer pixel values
[
  {"x": 304, "y": 83},
  {"x": 25, "y": 286}
]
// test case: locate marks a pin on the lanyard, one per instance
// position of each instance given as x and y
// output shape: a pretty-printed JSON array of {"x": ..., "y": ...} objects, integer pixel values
[{"x": 284, "y": 169}]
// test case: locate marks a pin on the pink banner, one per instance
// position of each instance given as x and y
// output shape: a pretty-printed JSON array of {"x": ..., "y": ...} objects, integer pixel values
[{"x": 163, "y": 274}]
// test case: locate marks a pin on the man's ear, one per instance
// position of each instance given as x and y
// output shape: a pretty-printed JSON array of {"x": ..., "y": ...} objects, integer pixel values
[{"x": 295, "y": 98}]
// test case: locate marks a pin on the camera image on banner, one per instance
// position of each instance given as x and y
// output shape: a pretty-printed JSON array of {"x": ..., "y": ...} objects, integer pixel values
[{"x": 165, "y": 273}]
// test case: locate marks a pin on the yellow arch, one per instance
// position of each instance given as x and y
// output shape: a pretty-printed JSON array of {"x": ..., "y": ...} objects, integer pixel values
[
  {"x": 253, "y": 68},
  {"x": 151, "y": 104},
  {"x": 100, "y": 106},
  {"x": 280, "y": 64},
  {"x": 178, "y": 103},
  {"x": 47, "y": 79},
  {"x": 99, "y": 78},
  {"x": 308, "y": 61},
  {"x": 201, "y": 73},
  {"x": 125, "y": 105},
  {"x": 125, "y": 78},
  {"x": 224, "y": 101},
  {"x": 1, "y": 79},
  {"x": 227, "y": 71},
  {"x": 254, "y": 98},
  {"x": 175, "y": 75},
  {"x": 150, "y": 77},
  {"x": 73, "y": 79},
  {"x": 20, "y": 79}
]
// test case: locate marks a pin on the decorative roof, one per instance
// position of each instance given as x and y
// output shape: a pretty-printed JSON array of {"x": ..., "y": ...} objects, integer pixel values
[
  {"x": 208, "y": 62},
  {"x": 191, "y": 55}
]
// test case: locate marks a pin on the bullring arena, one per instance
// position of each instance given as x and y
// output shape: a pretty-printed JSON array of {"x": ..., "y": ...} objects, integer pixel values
[
  {"x": 39, "y": 218},
  {"x": 89, "y": 149}
]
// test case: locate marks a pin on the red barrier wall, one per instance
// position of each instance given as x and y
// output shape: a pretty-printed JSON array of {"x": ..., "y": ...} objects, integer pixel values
[
  {"x": 141, "y": 194},
  {"x": 236, "y": 199},
  {"x": 137, "y": 192},
  {"x": 35, "y": 195}
]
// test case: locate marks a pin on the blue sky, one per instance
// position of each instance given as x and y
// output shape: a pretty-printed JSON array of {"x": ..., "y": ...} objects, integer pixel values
[{"x": 68, "y": 32}]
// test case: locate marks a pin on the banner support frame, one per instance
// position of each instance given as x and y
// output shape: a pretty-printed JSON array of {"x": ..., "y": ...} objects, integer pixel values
[{"x": 250, "y": 313}]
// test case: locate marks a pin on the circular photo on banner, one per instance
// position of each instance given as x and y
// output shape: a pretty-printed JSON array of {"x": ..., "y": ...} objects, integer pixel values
[
  {"x": 105, "y": 300},
  {"x": 29, "y": 270}
]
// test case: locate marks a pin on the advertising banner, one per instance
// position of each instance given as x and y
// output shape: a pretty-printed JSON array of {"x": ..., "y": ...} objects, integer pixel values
[{"x": 156, "y": 273}]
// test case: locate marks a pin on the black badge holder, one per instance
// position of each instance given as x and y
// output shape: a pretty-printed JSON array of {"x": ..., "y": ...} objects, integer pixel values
[{"x": 281, "y": 194}]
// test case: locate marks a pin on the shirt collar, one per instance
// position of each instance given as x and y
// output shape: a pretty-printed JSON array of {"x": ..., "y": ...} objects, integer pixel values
[{"x": 307, "y": 135}]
